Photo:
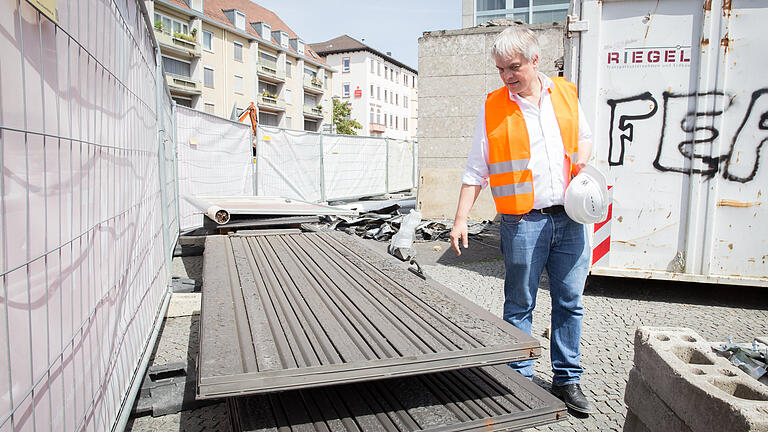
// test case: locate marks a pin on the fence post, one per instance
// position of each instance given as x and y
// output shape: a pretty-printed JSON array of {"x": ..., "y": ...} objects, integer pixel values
[
  {"x": 323, "y": 195},
  {"x": 255, "y": 161},
  {"x": 386, "y": 167},
  {"x": 414, "y": 169},
  {"x": 161, "y": 131}
]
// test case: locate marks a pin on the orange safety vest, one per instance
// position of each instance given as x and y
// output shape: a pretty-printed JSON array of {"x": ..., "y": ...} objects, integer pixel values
[{"x": 509, "y": 150}]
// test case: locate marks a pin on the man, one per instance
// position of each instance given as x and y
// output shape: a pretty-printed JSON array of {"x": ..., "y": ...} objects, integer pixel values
[{"x": 530, "y": 140}]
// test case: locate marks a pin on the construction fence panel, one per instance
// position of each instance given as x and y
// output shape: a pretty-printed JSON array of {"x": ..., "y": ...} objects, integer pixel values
[
  {"x": 215, "y": 159},
  {"x": 83, "y": 242},
  {"x": 354, "y": 166},
  {"x": 400, "y": 165},
  {"x": 289, "y": 164}
]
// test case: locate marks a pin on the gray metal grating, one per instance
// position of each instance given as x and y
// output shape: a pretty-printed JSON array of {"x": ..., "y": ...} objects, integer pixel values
[
  {"x": 479, "y": 399},
  {"x": 294, "y": 311}
]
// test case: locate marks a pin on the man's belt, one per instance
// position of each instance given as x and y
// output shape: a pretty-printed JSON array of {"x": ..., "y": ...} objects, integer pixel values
[{"x": 549, "y": 210}]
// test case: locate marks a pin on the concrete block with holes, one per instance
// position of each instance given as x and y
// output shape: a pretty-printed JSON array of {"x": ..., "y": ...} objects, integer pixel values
[
  {"x": 703, "y": 390},
  {"x": 648, "y": 410}
]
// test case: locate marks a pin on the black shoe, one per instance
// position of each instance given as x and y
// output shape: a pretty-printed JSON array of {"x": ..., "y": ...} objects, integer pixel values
[{"x": 573, "y": 397}]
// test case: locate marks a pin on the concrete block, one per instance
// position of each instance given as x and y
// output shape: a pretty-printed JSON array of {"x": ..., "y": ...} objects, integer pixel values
[
  {"x": 440, "y": 44},
  {"x": 439, "y": 193},
  {"x": 651, "y": 410},
  {"x": 456, "y": 64},
  {"x": 447, "y": 127},
  {"x": 436, "y": 152},
  {"x": 183, "y": 304},
  {"x": 450, "y": 106},
  {"x": 456, "y": 85},
  {"x": 633, "y": 424},
  {"x": 703, "y": 389}
]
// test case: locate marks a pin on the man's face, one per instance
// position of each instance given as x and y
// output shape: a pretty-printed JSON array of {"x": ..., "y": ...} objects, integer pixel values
[{"x": 518, "y": 73}]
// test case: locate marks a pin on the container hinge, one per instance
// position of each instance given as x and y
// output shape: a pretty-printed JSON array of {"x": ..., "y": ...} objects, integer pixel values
[{"x": 574, "y": 24}]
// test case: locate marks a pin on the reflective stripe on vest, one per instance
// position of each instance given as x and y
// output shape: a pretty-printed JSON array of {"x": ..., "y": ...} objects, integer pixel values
[{"x": 509, "y": 151}]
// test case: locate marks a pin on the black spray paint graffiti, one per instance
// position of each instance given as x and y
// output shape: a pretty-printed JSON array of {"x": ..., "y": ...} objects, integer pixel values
[{"x": 692, "y": 154}]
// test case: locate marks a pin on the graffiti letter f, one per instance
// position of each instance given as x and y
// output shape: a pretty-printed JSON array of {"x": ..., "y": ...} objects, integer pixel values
[{"x": 625, "y": 132}]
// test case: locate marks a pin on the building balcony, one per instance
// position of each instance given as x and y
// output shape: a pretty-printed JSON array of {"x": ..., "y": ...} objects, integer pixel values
[
  {"x": 267, "y": 70},
  {"x": 378, "y": 127},
  {"x": 313, "y": 85},
  {"x": 182, "y": 85},
  {"x": 270, "y": 103},
  {"x": 174, "y": 45},
  {"x": 313, "y": 111}
]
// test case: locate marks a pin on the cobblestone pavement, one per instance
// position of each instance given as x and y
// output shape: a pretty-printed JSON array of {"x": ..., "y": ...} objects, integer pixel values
[{"x": 613, "y": 309}]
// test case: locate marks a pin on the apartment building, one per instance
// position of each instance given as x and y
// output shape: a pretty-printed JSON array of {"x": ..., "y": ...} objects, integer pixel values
[
  {"x": 222, "y": 55},
  {"x": 382, "y": 91},
  {"x": 476, "y": 12}
]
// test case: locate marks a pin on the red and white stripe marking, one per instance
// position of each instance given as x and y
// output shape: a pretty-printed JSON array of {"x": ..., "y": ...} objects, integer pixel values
[{"x": 602, "y": 238}]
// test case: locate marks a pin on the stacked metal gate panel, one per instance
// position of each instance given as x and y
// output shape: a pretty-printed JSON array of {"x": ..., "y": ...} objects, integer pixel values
[
  {"x": 477, "y": 399},
  {"x": 293, "y": 311}
]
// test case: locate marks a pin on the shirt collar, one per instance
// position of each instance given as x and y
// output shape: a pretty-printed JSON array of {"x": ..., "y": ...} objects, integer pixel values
[{"x": 546, "y": 84}]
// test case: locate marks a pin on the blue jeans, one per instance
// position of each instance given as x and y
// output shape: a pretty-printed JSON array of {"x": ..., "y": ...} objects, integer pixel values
[{"x": 530, "y": 243}]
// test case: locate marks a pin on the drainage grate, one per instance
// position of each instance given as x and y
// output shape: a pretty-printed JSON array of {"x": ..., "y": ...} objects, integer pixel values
[
  {"x": 478, "y": 399},
  {"x": 294, "y": 311}
]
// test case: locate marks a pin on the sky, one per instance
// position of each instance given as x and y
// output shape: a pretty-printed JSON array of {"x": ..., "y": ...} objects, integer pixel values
[{"x": 394, "y": 25}]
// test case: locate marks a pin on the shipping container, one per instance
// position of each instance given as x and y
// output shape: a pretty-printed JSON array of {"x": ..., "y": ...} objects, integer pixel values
[{"x": 676, "y": 92}]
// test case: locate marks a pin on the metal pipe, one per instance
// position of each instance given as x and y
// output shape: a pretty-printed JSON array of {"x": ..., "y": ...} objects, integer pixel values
[{"x": 215, "y": 213}]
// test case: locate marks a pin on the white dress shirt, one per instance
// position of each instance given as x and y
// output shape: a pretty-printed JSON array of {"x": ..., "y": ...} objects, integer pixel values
[{"x": 547, "y": 162}]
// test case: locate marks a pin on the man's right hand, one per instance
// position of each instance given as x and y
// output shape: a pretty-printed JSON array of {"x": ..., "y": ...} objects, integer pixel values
[{"x": 459, "y": 232}]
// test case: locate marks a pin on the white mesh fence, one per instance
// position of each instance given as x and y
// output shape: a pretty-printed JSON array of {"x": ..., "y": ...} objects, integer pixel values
[
  {"x": 215, "y": 159},
  {"x": 354, "y": 166},
  {"x": 88, "y": 213},
  {"x": 289, "y": 164},
  {"x": 401, "y": 165},
  {"x": 321, "y": 167}
]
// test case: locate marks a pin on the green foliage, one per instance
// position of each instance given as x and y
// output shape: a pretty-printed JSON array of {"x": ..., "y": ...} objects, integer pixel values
[
  {"x": 186, "y": 37},
  {"x": 344, "y": 124},
  {"x": 159, "y": 25}
]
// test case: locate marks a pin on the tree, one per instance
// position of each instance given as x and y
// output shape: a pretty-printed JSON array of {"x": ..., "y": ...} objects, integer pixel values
[{"x": 342, "y": 121}]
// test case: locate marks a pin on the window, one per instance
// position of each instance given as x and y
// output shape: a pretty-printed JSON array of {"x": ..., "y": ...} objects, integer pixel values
[
  {"x": 405, "y": 101},
  {"x": 265, "y": 87},
  {"x": 405, "y": 123},
  {"x": 486, "y": 5},
  {"x": 310, "y": 125},
  {"x": 288, "y": 68},
  {"x": 208, "y": 77},
  {"x": 396, "y": 119},
  {"x": 405, "y": 80},
  {"x": 397, "y": 99},
  {"x": 171, "y": 26},
  {"x": 238, "y": 51},
  {"x": 386, "y": 99},
  {"x": 345, "y": 64},
  {"x": 345, "y": 90},
  {"x": 176, "y": 67},
  {"x": 378, "y": 93},
  {"x": 386, "y": 72},
  {"x": 310, "y": 100},
  {"x": 209, "y": 108},
  {"x": 238, "y": 84},
  {"x": 378, "y": 68},
  {"x": 413, "y": 82},
  {"x": 268, "y": 119},
  {"x": 378, "y": 116},
  {"x": 207, "y": 40},
  {"x": 390, "y": 120},
  {"x": 309, "y": 73},
  {"x": 373, "y": 66},
  {"x": 371, "y": 90},
  {"x": 373, "y": 115},
  {"x": 385, "y": 119},
  {"x": 288, "y": 96},
  {"x": 240, "y": 20}
]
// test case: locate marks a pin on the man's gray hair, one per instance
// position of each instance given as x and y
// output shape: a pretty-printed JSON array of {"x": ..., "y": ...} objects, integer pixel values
[{"x": 516, "y": 39}]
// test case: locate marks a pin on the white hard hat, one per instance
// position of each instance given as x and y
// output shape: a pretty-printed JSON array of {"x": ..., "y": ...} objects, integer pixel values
[{"x": 586, "y": 198}]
